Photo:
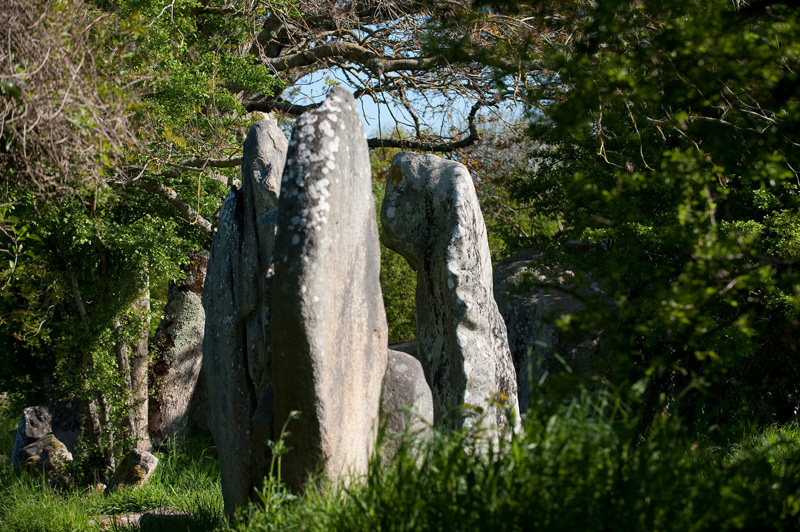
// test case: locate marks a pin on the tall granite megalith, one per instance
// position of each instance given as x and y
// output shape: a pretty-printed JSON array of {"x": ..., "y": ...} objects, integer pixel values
[
  {"x": 328, "y": 323},
  {"x": 236, "y": 297},
  {"x": 431, "y": 216}
]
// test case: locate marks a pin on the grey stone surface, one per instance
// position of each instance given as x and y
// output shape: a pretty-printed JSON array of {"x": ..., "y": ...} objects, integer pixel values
[
  {"x": 135, "y": 470},
  {"x": 177, "y": 355},
  {"x": 533, "y": 292},
  {"x": 430, "y": 215},
  {"x": 329, "y": 332},
  {"x": 47, "y": 455},
  {"x": 62, "y": 419},
  {"x": 198, "y": 405},
  {"x": 408, "y": 347},
  {"x": 155, "y": 519},
  {"x": 406, "y": 402},
  {"x": 236, "y": 298}
]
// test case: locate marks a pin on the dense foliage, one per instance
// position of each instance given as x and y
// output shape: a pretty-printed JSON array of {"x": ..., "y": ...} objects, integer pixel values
[
  {"x": 85, "y": 264},
  {"x": 668, "y": 141},
  {"x": 398, "y": 281}
]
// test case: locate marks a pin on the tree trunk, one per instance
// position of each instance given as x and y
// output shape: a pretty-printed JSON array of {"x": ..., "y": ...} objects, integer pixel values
[
  {"x": 105, "y": 420},
  {"x": 177, "y": 355},
  {"x": 123, "y": 366},
  {"x": 139, "y": 368},
  {"x": 95, "y": 433}
]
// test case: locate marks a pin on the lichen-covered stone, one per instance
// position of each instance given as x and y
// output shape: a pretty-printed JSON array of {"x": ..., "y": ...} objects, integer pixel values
[
  {"x": 329, "y": 332},
  {"x": 177, "y": 355},
  {"x": 406, "y": 402},
  {"x": 62, "y": 419},
  {"x": 236, "y": 299},
  {"x": 47, "y": 455},
  {"x": 532, "y": 293},
  {"x": 135, "y": 470},
  {"x": 431, "y": 216}
]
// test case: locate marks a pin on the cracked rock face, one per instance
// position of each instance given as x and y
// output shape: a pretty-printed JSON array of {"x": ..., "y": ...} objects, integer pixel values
[
  {"x": 329, "y": 332},
  {"x": 431, "y": 216},
  {"x": 236, "y": 298}
]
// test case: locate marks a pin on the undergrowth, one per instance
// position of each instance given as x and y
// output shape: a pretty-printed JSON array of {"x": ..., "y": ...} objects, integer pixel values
[{"x": 580, "y": 465}]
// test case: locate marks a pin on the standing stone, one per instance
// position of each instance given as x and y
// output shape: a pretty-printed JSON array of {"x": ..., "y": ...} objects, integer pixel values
[
  {"x": 236, "y": 300},
  {"x": 329, "y": 331},
  {"x": 406, "y": 403},
  {"x": 430, "y": 215},
  {"x": 177, "y": 355},
  {"x": 533, "y": 292}
]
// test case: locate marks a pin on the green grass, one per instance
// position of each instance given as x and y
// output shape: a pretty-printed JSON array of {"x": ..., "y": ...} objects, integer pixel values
[
  {"x": 580, "y": 465},
  {"x": 186, "y": 479}
]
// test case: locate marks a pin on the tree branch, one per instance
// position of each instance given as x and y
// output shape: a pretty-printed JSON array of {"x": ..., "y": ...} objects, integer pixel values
[
  {"x": 369, "y": 13},
  {"x": 267, "y": 106},
  {"x": 171, "y": 196},
  {"x": 352, "y": 52},
  {"x": 435, "y": 145},
  {"x": 210, "y": 163},
  {"x": 279, "y": 104}
]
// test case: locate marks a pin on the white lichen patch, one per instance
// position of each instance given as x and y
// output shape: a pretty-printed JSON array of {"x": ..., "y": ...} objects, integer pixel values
[{"x": 326, "y": 128}]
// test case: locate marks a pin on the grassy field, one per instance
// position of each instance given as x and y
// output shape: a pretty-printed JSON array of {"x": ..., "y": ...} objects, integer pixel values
[{"x": 577, "y": 466}]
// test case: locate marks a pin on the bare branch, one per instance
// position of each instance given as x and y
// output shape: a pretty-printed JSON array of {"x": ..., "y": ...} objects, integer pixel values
[
  {"x": 352, "y": 52},
  {"x": 48, "y": 82},
  {"x": 267, "y": 106},
  {"x": 210, "y": 163},
  {"x": 279, "y": 104},
  {"x": 435, "y": 145}
]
